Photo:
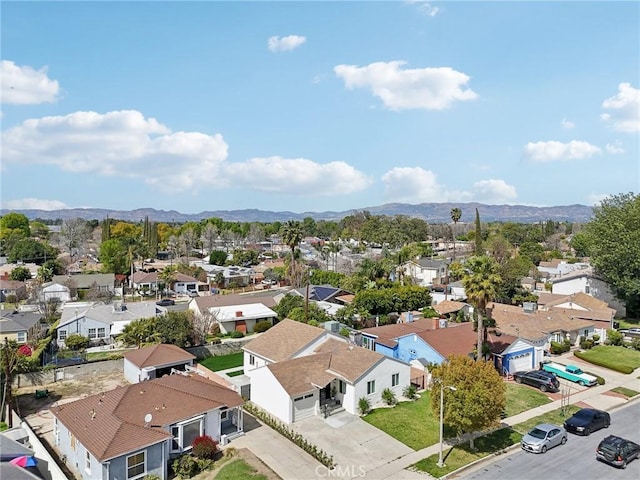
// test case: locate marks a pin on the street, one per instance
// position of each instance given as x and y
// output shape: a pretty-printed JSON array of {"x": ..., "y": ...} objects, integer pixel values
[{"x": 575, "y": 460}]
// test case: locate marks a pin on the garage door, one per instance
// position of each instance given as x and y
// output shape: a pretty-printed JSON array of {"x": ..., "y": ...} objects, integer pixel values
[
  {"x": 303, "y": 407},
  {"x": 521, "y": 361}
]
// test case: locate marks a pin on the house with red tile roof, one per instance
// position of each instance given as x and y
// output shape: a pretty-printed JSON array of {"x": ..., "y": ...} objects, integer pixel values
[
  {"x": 134, "y": 431},
  {"x": 155, "y": 361},
  {"x": 298, "y": 370}
]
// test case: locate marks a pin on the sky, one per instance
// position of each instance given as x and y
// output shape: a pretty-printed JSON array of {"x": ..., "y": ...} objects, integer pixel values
[{"x": 317, "y": 106}]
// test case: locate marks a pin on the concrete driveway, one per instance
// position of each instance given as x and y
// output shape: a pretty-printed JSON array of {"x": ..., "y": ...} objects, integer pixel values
[{"x": 356, "y": 446}]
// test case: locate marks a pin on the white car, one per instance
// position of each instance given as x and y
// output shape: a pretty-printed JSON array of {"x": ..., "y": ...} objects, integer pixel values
[{"x": 543, "y": 437}]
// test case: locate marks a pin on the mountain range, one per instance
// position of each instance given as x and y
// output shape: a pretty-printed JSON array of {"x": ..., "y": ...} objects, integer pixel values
[{"x": 430, "y": 212}]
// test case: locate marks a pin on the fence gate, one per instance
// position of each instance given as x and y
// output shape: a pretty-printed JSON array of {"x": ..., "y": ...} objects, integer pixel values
[{"x": 59, "y": 375}]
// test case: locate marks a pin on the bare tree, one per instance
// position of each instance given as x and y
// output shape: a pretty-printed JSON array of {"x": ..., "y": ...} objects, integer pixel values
[
  {"x": 73, "y": 233},
  {"x": 189, "y": 239},
  {"x": 209, "y": 237},
  {"x": 203, "y": 324}
]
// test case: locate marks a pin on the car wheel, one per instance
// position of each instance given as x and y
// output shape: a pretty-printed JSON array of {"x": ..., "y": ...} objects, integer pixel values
[
  {"x": 544, "y": 449},
  {"x": 518, "y": 380},
  {"x": 624, "y": 465},
  {"x": 543, "y": 388},
  {"x": 584, "y": 384},
  {"x": 606, "y": 425},
  {"x": 587, "y": 432},
  {"x": 564, "y": 440}
]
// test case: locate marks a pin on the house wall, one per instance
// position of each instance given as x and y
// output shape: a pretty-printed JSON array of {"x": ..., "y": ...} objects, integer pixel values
[
  {"x": 212, "y": 424},
  {"x": 258, "y": 362},
  {"x": 601, "y": 291},
  {"x": 423, "y": 276},
  {"x": 60, "y": 292},
  {"x": 131, "y": 372},
  {"x": 81, "y": 326},
  {"x": 13, "y": 336},
  {"x": 381, "y": 373},
  {"x": 183, "y": 287},
  {"x": 412, "y": 347},
  {"x": 386, "y": 351},
  {"x": 268, "y": 394},
  {"x": 156, "y": 457}
]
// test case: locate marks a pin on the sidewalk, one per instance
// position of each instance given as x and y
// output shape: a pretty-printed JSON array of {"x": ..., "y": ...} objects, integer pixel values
[{"x": 595, "y": 397}]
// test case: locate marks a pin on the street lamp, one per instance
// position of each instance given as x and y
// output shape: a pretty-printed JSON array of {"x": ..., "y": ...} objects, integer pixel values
[{"x": 453, "y": 389}]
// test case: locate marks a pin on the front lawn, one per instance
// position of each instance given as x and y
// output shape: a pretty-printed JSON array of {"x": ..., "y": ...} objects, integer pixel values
[
  {"x": 239, "y": 470},
  {"x": 521, "y": 398},
  {"x": 620, "y": 359},
  {"x": 461, "y": 455},
  {"x": 627, "y": 392},
  {"x": 555, "y": 417},
  {"x": 223, "y": 362}
]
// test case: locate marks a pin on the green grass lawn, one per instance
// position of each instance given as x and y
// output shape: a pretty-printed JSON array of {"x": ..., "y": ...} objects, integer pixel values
[
  {"x": 609, "y": 356},
  {"x": 223, "y": 362},
  {"x": 105, "y": 355},
  {"x": 235, "y": 373},
  {"x": 555, "y": 417},
  {"x": 521, "y": 398},
  {"x": 629, "y": 323},
  {"x": 627, "y": 392},
  {"x": 239, "y": 470},
  {"x": 461, "y": 455}
]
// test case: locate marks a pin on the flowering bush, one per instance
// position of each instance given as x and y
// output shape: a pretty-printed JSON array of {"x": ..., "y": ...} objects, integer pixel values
[{"x": 204, "y": 447}]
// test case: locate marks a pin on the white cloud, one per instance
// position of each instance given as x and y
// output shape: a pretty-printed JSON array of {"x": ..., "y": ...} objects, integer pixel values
[
  {"x": 567, "y": 124},
  {"x": 283, "y": 44},
  {"x": 22, "y": 85},
  {"x": 614, "y": 148},
  {"x": 493, "y": 191},
  {"x": 401, "y": 89},
  {"x": 126, "y": 144},
  {"x": 595, "y": 198},
  {"x": 34, "y": 204},
  {"x": 624, "y": 109},
  {"x": 552, "y": 151},
  {"x": 425, "y": 8},
  {"x": 417, "y": 185}
]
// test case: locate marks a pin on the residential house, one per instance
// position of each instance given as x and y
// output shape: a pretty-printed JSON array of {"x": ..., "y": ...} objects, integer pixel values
[
  {"x": 83, "y": 282},
  {"x": 297, "y": 370},
  {"x": 232, "y": 276},
  {"x": 12, "y": 287},
  {"x": 556, "y": 268},
  {"x": 451, "y": 309},
  {"x": 100, "y": 322},
  {"x": 511, "y": 354},
  {"x": 145, "y": 282},
  {"x": 540, "y": 328},
  {"x": 7, "y": 268},
  {"x": 155, "y": 361},
  {"x": 22, "y": 327},
  {"x": 52, "y": 291},
  {"x": 425, "y": 271},
  {"x": 586, "y": 282},
  {"x": 185, "y": 284},
  {"x": 581, "y": 305},
  {"x": 236, "y": 312},
  {"x": 134, "y": 431}
]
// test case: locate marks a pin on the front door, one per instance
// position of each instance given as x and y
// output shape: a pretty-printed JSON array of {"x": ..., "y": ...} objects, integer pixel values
[{"x": 325, "y": 394}]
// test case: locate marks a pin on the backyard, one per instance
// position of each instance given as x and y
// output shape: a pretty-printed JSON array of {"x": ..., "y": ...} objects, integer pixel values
[
  {"x": 223, "y": 362},
  {"x": 401, "y": 421}
]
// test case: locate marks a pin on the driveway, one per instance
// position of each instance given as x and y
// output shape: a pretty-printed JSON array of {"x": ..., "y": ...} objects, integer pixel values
[{"x": 356, "y": 446}]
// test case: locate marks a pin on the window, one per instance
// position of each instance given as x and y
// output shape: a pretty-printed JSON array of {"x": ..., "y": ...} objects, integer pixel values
[
  {"x": 136, "y": 465},
  {"x": 62, "y": 334},
  {"x": 371, "y": 387},
  {"x": 224, "y": 414},
  {"x": 21, "y": 337},
  {"x": 412, "y": 352},
  {"x": 252, "y": 360},
  {"x": 102, "y": 332},
  {"x": 185, "y": 433},
  {"x": 87, "y": 461},
  {"x": 586, "y": 289},
  {"x": 342, "y": 387},
  {"x": 92, "y": 333},
  {"x": 395, "y": 379}
]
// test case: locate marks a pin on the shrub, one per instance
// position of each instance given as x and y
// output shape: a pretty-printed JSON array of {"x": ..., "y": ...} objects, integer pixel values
[
  {"x": 410, "y": 391},
  {"x": 344, "y": 332},
  {"x": 76, "y": 341},
  {"x": 204, "y": 447},
  {"x": 364, "y": 406},
  {"x": 262, "y": 326},
  {"x": 236, "y": 334},
  {"x": 3, "y": 426},
  {"x": 151, "y": 477},
  {"x": 635, "y": 344},
  {"x": 587, "y": 343},
  {"x": 614, "y": 337},
  {"x": 557, "y": 348},
  {"x": 389, "y": 397},
  {"x": 230, "y": 452},
  {"x": 596, "y": 338},
  {"x": 186, "y": 466}
]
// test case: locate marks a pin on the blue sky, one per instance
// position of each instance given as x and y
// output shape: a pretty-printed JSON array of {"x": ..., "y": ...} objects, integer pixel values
[{"x": 314, "y": 106}]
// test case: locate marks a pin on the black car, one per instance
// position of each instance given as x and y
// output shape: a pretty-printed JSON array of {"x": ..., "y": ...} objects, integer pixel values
[
  {"x": 545, "y": 381},
  {"x": 617, "y": 451},
  {"x": 587, "y": 420},
  {"x": 165, "y": 302}
]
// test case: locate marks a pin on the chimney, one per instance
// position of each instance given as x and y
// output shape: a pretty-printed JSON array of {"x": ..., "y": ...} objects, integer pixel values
[
  {"x": 239, "y": 313},
  {"x": 435, "y": 323}
]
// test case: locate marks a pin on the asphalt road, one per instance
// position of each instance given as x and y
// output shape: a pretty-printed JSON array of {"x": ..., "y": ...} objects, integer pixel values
[{"x": 575, "y": 460}]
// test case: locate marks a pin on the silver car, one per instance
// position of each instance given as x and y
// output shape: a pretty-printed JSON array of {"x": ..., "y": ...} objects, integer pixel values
[{"x": 543, "y": 437}]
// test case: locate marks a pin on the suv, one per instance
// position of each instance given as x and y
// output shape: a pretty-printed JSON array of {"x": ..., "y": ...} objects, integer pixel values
[
  {"x": 587, "y": 420},
  {"x": 545, "y": 381},
  {"x": 617, "y": 451}
]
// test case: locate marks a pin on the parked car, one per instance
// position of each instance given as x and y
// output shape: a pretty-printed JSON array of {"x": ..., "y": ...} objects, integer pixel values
[
  {"x": 617, "y": 451},
  {"x": 587, "y": 420},
  {"x": 165, "y": 302},
  {"x": 545, "y": 381},
  {"x": 543, "y": 437},
  {"x": 192, "y": 293}
]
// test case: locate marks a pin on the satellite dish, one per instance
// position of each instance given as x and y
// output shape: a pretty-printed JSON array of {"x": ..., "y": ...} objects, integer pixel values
[{"x": 147, "y": 418}]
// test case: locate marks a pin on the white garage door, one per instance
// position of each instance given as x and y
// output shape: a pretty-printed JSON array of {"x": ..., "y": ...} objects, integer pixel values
[
  {"x": 303, "y": 407},
  {"x": 520, "y": 362}
]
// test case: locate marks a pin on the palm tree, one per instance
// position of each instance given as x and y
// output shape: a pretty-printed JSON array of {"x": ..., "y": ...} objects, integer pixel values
[
  {"x": 481, "y": 283},
  {"x": 456, "y": 213},
  {"x": 292, "y": 236},
  {"x": 168, "y": 276}
]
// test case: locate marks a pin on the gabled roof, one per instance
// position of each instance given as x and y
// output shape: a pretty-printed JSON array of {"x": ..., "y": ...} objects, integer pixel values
[
  {"x": 387, "y": 334},
  {"x": 448, "y": 306},
  {"x": 13, "y": 321},
  {"x": 283, "y": 340},
  {"x": 581, "y": 299},
  {"x": 109, "y": 313},
  {"x": 119, "y": 414},
  {"x": 11, "y": 285},
  {"x": 181, "y": 277},
  {"x": 160, "y": 354},
  {"x": 145, "y": 277},
  {"x": 458, "y": 339},
  {"x": 348, "y": 360},
  {"x": 86, "y": 280}
]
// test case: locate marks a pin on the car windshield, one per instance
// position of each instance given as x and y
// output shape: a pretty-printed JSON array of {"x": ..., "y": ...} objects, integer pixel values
[
  {"x": 537, "y": 433},
  {"x": 608, "y": 448}
]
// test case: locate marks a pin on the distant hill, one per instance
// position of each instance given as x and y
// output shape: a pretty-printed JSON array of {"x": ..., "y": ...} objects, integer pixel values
[{"x": 431, "y": 212}]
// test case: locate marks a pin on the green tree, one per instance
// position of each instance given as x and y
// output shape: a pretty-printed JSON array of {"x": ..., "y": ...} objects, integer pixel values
[
  {"x": 75, "y": 341},
  {"x": 218, "y": 257},
  {"x": 292, "y": 236},
  {"x": 288, "y": 303},
  {"x": 614, "y": 238},
  {"x": 15, "y": 221},
  {"x": 168, "y": 277},
  {"x": 20, "y": 274},
  {"x": 478, "y": 236},
  {"x": 113, "y": 256},
  {"x": 479, "y": 397},
  {"x": 30, "y": 250},
  {"x": 481, "y": 283},
  {"x": 39, "y": 230},
  {"x": 11, "y": 363},
  {"x": 533, "y": 251},
  {"x": 140, "y": 332},
  {"x": 456, "y": 214},
  {"x": 580, "y": 244},
  {"x": 176, "y": 328}
]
